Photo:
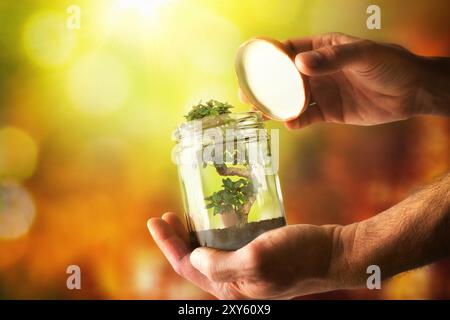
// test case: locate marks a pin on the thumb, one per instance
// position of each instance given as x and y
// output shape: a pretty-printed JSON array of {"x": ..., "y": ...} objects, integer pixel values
[
  {"x": 330, "y": 59},
  {"x": 217, "y": 265}
]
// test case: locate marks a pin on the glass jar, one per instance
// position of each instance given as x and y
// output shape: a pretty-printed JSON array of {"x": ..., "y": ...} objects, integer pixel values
[{"x": 227, "y": 166}]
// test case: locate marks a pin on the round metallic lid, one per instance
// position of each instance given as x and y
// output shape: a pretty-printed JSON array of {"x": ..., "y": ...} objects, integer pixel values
[{"x": 270, "y": 80}]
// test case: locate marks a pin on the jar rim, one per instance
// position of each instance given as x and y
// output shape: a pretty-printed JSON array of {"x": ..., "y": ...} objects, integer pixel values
[{"x": 238, "y": 120}]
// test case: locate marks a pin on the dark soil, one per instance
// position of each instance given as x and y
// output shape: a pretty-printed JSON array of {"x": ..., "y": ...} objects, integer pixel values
[{"x": 234, "y": 237}]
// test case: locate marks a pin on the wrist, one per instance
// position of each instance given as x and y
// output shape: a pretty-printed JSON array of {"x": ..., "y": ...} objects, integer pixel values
[
  {"x": 433, "y": 96},
  {"x": 344, "y": 270}
]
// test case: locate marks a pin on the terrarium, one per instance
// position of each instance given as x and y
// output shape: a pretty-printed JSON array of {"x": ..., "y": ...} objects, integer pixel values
[{"x": 227, "y": 164}]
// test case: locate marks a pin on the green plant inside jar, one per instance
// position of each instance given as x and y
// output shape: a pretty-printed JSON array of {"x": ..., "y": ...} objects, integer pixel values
[
  {"x": 235, "y": 197},
  {"x": 243, "y": 195}
]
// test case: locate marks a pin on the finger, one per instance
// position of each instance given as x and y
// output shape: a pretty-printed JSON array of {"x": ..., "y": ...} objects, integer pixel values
[
  {"x": 330, "y": 59},
  {"x": 311, "y": 115},
  {"x": 218, "y": 265},
  {"x": 174, "y": 221},
  {"x": 168, "y": 241},
  {"x": 176, "y": 252},
  {"x": 295, "y": 46}
]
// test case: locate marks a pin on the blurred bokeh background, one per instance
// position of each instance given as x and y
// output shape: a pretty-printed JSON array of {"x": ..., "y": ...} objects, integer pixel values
[{"x": 86, "y": 117}]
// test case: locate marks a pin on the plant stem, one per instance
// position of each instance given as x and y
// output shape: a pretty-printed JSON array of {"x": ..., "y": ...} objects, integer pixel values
[
  {"x": 245, "y": 210},
  {"x": 223, "y": 170},
  {"x": 245, "y": 172}
]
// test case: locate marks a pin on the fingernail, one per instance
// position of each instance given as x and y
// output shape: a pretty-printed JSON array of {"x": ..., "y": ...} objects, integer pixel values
[
  {"x": 311, "y": 59},
  {"x": 149, "y": 226},
  {"x": 196, "y": 258}
]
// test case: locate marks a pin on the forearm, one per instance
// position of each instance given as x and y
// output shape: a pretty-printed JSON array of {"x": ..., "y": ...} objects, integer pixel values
[
  {"x": 411, "y": 234},
  {"x": 433, "y": 96}
]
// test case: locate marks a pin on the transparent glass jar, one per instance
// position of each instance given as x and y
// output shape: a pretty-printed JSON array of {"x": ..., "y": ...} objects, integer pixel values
[{"x": 227, "y": 167}]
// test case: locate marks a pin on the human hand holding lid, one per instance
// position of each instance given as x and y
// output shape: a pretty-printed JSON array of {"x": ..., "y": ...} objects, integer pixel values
[{"x": 350, "y": 80}]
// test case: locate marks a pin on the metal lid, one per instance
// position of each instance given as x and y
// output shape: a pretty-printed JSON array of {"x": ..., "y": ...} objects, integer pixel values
[{"x": 270, "y": 80}]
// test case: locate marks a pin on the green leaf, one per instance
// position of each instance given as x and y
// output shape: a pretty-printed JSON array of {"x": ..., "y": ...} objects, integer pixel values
[
  {"x": 210, "y": 108},
  {"x": 228, "y": 197},
  {"x": 227, "y": 183}
]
